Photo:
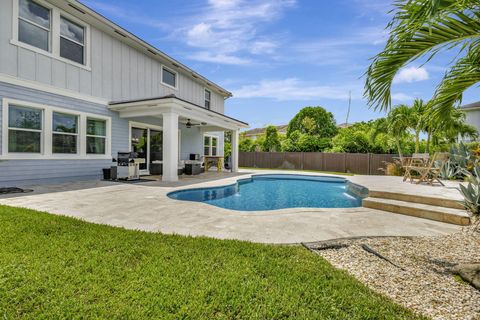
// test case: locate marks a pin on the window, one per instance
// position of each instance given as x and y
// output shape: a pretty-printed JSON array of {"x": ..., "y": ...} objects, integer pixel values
[
  {"x": 210, "y": 145},
  {"x": 96, "y": 136},
  {"x": 24, "y": 129},
  {"x": 34, "y": 24},
  {"x": 72, "y": 38},
  {"x": 169, "y": 77},
  {"x": 64, "y": 133},
  {"x": 208, "y": 96}
]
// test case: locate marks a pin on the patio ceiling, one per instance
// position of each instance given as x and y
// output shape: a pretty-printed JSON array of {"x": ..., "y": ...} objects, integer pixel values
[{"x": 155, "y": 107}]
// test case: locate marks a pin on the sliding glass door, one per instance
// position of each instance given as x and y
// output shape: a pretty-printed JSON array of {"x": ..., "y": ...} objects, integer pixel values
[
  {"x": 139, "y": 145},
  {"x": 147, "y": 144}
]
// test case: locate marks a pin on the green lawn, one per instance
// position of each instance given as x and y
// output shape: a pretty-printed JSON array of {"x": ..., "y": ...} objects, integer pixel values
[{"x": 55, "y": 267}]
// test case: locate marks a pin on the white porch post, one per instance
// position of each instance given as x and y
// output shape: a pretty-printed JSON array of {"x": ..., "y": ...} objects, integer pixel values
[
  {"x": 170, "y": 146},
  {"x": 235, "y": 150}
]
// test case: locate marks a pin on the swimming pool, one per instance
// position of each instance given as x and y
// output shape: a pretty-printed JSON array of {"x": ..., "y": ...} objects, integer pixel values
[{"x": 276, "y": 191}]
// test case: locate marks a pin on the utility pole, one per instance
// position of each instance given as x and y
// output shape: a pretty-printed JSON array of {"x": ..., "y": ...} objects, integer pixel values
[{"x": 349, "y": 105}]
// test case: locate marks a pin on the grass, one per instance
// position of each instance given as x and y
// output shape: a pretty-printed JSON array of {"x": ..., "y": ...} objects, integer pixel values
[
  {"x": 317, "y": 171},
  {"x": 54, "y": 267}
]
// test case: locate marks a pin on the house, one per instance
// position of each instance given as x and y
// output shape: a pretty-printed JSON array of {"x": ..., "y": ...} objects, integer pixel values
[
  {"x": 76, "y": 89},
  {"x": 472, "y": 113},
  {"x": 257, "y": 132}
]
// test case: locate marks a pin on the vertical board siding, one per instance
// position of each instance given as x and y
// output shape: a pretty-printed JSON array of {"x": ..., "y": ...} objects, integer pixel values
[
  {"x": 15, "y": 171},
  {"x": 357, "y": 163},
  {"x": 118, "y": 71}
]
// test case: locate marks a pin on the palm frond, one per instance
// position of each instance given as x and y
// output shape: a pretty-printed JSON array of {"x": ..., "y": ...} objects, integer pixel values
[
  {"x": 455, "y": 29},
  {"x": 464, "y": 74}
]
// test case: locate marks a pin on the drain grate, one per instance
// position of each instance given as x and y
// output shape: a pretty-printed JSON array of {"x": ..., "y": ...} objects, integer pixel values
[{"x": 10, "y": 190}]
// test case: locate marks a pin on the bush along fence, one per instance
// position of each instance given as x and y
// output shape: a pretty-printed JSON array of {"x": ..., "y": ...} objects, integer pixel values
[{"x": 358, "y": 163}]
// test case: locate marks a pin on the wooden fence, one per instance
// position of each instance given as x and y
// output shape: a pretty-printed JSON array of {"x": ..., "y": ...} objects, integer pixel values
[{"x": 359, "y": 163}]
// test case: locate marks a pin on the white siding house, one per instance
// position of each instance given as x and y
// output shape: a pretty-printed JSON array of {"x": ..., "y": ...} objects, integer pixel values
[
  {"x": 75, "y": 89},
  {"x": 472, "y": 112}
]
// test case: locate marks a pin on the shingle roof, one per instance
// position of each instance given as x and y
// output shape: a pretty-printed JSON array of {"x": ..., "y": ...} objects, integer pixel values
[{"x": 470, "y": 106}]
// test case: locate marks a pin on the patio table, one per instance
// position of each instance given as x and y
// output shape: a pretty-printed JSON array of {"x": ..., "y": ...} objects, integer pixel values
[{"x": 218, "y": 159}]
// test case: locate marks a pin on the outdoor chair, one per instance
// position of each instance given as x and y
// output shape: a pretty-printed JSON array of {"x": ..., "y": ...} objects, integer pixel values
[
  {"x": 416, "y": 160},
  {"x": 430, "y": 171}
]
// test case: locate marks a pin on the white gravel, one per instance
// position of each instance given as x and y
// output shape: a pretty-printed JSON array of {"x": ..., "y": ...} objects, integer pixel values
[{"x": 427, "y": 285}]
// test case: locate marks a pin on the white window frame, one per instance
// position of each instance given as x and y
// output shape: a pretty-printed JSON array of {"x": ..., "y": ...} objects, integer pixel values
[
  {"x": 6, "y": 125},
  {"x": 172, "y": 71},
  {"x": 95, "y": 136},
  {"x": 205, "y": 99},
  {"x": 210, "y": 145},
  {"x": 54, "y": 46},
  {"x": 77, "y": 135},
  {"x": 71, "y": 40},
  {"x": 47, "y": 133},
  {"x": 37, "y": 25}
]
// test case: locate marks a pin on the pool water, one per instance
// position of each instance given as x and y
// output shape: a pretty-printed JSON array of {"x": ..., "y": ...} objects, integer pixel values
[{"x": 271, "y": 192}]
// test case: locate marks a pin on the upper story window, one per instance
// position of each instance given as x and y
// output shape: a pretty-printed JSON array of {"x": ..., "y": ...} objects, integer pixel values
[
  {"x": 34, "y": 24},
  {"x": 208, "y": 96},
  {"x": 72, "y": 41},
  {"x": 169, "y": 77},
  {"x": 45, "y": 29}
]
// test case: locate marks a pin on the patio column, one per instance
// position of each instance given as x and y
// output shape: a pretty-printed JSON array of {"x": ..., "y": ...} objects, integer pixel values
[
  {"x": 235, "y": 150},
  {"x": 170, "y": 146}
]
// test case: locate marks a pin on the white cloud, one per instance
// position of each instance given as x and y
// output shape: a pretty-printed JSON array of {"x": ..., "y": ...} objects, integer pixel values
[
  {"x": 411, "y": 74},
  {"x": 401, "y": 97},
  {"x": 339, "y": 51},
  {"x": 230, "y": 29},
  {"x": 290, "y": 89},
  {"x": 218, "y": 58}
]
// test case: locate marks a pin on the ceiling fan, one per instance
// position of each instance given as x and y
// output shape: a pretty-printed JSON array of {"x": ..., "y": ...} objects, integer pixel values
[{"x": 189, "y": 124}]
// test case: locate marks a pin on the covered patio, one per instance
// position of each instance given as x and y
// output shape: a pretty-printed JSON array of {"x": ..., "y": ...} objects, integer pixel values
[{"x": 172, "y": 129}]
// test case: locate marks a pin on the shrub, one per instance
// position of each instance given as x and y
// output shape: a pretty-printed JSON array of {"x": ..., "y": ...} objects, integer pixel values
[{"x": 471, "y": 193}]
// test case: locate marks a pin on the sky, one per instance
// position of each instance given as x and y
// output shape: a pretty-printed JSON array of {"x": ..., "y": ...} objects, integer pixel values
[{"x": 277, "y": 56}]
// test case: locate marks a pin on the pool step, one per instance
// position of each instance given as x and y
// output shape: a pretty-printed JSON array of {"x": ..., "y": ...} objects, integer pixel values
[
  {"x": 440, "y": 202},
  {"x": 420, "y": 210}
]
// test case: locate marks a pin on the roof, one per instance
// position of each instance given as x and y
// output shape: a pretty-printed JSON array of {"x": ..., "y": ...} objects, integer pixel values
[
  {"x": 126, "y": 36},
  {"x": 344, "y": 125},
  {"x": 258, "y": 131},
  {"x": 172, "y": 96},
  {"x": 471, "y": 106}
]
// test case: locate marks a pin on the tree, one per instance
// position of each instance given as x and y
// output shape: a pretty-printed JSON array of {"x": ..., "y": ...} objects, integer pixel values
[
  {"x": 398, "y": 122},
  {"x": 421, "y": 29},
  {"x": 315, "y": 121},
  {"x": 272, "y": 141},
  {"x": 419, "y": 116}
]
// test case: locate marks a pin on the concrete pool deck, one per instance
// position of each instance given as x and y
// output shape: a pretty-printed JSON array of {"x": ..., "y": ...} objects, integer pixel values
[{"x": 145, "y": 206}]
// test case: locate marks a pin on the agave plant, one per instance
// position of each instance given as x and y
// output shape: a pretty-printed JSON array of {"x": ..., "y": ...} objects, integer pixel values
[
  {"x": 461, "y": 160},
  {"x": 471, "y": 194}
]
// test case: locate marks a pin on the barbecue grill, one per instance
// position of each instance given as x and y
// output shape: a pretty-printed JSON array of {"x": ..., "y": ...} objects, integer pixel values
[{"x": 128, "y": 166}]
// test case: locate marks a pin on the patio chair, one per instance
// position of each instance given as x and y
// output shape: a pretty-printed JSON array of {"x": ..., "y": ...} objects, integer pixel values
[
  {"x": 416, "y": 160},
  {"x": 430, "y": 173}
]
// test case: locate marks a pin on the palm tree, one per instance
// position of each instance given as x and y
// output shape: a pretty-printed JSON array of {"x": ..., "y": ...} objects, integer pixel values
[
  {"x": 419, "y": 118},
  {"x": 421, "y": 29},
  {"x": 396, "y": 125},
  {"x": 398, "y": 122}
]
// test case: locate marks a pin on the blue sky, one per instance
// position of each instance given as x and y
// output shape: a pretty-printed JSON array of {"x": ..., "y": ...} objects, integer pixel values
[{"x": 278, "y": 56}]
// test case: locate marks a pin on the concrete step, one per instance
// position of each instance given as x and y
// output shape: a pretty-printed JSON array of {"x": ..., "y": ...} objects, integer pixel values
[
  {"x": 420, "y": 210},
  {"x": 440, "y": 202}
]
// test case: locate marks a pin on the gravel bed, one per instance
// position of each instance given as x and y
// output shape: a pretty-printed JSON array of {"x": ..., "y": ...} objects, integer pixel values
[{"x": 426, "y": 285}]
